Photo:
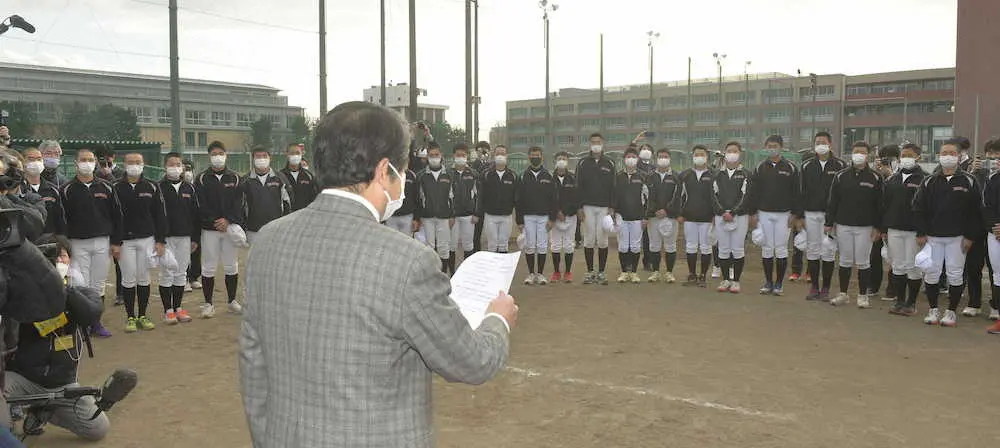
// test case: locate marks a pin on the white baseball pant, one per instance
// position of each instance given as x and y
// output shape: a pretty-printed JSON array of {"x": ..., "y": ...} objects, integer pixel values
[
  {"x": 734, "y": 242},
  {"x": 402, "y": 224},
  {"x": 659, "y": 241},
  {"x": 775, "y": 228},
  {"x": 462, "y": 234},
  {"x": 438, "y": 235},
  {"x": 536, "y": 236},
  {"x": 497, "y": 229},
  {"x": 815, "y": 232},
  {"x": 630, "y": 236},
  {"x": 215, "y": 244},
  {"x": 855, "y": 246},
  {"x": 593, "y": 231},
  {"x": 946, "y": 251},
  {"x": 993, "y": 248},
  {"x": 180, "y": 246},
  {"x": 134, "y": 262},
  {"x": 696, "y": 237},
  {"x": 904, "y": 249},
  {"x": 563, "y": 241},
  {"x": 92, "y": 259}
]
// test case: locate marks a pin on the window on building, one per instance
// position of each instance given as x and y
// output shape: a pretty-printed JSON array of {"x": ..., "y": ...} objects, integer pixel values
[
  {"x": 862, "y": 89},
  {"x": 616, "y": 139},
  {"x": 565, "y": 140},
  {"x": 519, "y": 142},
  {"x": 676, "y": 138},
  {"x": 708, "y": 99},
  {"x": 736, "y": 116},
  {"x": 740, "y": 97},
  {"x": 222, "y": 118},
  {"x": 163, "y": 115},
  {"x": 615, "y": 106},
  {"x": 590, "y": 108},
  {"x": 519, "y": 112},
  {"x": 675, "y": 121},
  {"x": 779, "y": 95},
  {"x": 565, "y": 109},
  {"x": 189, "y": 139},
  {"x": 706, "y": 117},
  {"x": 142, "y": 114},
  {"x": 738, "y": 134},
  {"x": 675, "y": 102},
  {"x": 590, "y": 124},
  {"x": 244, "y": 119},
  {"x": 564, "y": 125},
  {"x": 823, "y": 113},
  {"x": 195, "y": 117},
  {"x": 641, "y": 105},
  {"x": 203, "y": 139},
  {"x": 640, "y": 122},
  {"x": 537, "y": 111},
  {"x": 615, "y": 123},
  {"x": 777, "y": 115}
]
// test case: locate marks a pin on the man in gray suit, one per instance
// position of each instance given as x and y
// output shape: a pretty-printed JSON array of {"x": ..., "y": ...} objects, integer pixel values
[{"x": 346, "y": 319}]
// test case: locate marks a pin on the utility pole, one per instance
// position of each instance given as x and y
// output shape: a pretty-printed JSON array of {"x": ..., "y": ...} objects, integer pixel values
[
  {"x": 600, "y": 126},
  {"x": 382, "y": 99},
  {"x": 690, "y": 126},
  {"x": 813, "y": 80},
  {"x": 746, "y": 103},
  {"x": 175, "y": 82},
  {"x": 718, "y": 61},
  {"x": 468, "y": 69},
  {"x": 413, "y": 117},
  {"x": 652, "y": 36},
  {"x": 475, "y": 73},
  {"x": 322, "y": 58},
  {"x": 546, "y": 8}
]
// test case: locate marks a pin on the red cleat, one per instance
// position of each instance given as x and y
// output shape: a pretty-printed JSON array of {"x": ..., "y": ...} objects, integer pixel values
[
  {"x": 556, "y": 277},
  {"x": 568, "y": 278},
  {"x": 793, "y": 277},
  {"x": 995, "y": 329}
]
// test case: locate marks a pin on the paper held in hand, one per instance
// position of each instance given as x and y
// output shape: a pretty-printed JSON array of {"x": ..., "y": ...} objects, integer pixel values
[{"x": 479, "y": 279}]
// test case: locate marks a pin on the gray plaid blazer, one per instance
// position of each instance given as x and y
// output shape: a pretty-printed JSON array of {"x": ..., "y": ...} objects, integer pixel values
[{"x": 345, "y": 321}]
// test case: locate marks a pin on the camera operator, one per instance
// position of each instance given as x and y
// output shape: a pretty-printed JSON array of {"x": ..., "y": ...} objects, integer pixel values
[
  {"x": 48, "y": 352},
  {"x": 35, "y": 182},
  {"x": 33, "y": 213}
]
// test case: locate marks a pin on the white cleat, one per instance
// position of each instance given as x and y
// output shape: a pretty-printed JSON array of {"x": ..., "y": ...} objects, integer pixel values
[
  {"x": 841, "y": 299},
  {"x": 654, "y": 278},
  {"x": 669, "y": 278},
  {"x": 724, "y": 286},
  {"x": 529, "y": 280},
  {"x": 235, "y": 307},
  {"x": 863, "y": 301},
  {"x": 624, "y": 277},
  {"x": 541, "y": 280},
  {"x": 933, "y": 317},
  {"x": 187, "y": 287},
  {"x": 994, "y": 314},
  {"x": 207, "y": 311},
  {"x": 734, "y": 287},
  {"x": 716, "y": 272},
  {"x": 970, "y": 311},
  {"x": 949, "y": 319}
]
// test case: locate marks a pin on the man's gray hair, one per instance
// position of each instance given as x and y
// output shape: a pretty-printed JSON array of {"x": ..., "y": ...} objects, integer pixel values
[{"x": 49, "y": 144}]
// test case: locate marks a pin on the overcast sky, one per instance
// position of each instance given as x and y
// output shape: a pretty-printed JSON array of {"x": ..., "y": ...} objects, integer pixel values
[{"x": 822, "y": 36}]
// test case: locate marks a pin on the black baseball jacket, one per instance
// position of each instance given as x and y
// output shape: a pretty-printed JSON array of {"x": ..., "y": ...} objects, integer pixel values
[
  {"x": 91, "y": 211},
  {"x": 143, "y": 214},
  {"x": 537, "y": 195}
]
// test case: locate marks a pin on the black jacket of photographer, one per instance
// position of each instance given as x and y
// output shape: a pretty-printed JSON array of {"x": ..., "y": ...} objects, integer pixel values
[
  {"x": 91, "y": 211},
  {"x": 49, "y": 194},
  {"x": 143, "y": 215},
  {"x": 50, "y": 360}
]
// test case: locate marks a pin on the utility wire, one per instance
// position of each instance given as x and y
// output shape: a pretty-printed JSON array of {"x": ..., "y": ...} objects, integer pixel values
[{"x": 232, "y": 18}]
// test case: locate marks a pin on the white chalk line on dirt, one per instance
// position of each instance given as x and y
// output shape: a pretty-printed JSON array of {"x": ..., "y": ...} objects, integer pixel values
[{"x": 652, "y": 393}]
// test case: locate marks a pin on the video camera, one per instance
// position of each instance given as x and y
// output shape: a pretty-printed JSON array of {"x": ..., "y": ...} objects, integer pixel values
[
  {"x": 4, "y": 116},
  {"x": 11, "y": 235}
]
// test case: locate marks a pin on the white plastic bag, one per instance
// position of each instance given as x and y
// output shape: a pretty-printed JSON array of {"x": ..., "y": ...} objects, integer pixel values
[
  {"x": 608, "y": 224},
  {"x": 801, "y": 241},
  {"x": 730, "y": 226},
  {"x": 924, "y": 261},
  {"x": 757, "y": 237},
  {"x": 666, "y": 226},
  {"x": 830, "y": 244},
  {"x": 167, "y": 261},
  {"x": 563, "y": 225},
  {"x": 237, "y": 235},
  {"x": 885, "y": 253}
]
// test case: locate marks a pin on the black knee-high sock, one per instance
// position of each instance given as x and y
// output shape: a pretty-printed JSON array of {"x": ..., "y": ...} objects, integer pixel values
[
  {"x": 530, "y": 260},
  {"x": 813, "y": 270},
  {"x": 178, "y": 297},
  {"x": 655, "y": 261},
  {"x": 724, "y": 265},
  {"x": 782, "y": 265},
  {"x": 864, "y": 279},
  {"x": 898, "y": 285},
  {"x": 913, "y": 290},
  {"x": 827, "y": 275},
  {"x": 623, "y": 261},
  {"x": 602, "y": 258},
  {"x": 994, "y": 295},
  {"x": 451, "y": 262},
  {"x": 890, "y": 285},
  {"x": 143, "y": 295},
  {"x": 635, "y": 261},
  {"x": 444, "y": 265},
  {"x": 769, "y": 271},
  {"x": 556, "y": 261},
  {"x": 541, "y": 263},
  {"x": 715, "y": 257},
  {"x": 467, "y": 254},
  {"x": 128, "y": 294},
  {"x": 167, "y": 297},
  {"x": 692, "y": 264},
  {"x": 671, "y": 261},
  {"x": 932, "y": 295},
  {"x": 706, "y": 262},
  {"x": 231, "y": 282},
  {"x": 738, "y": 268},
  {"x": 588, "y": 255},
  {"x": 955, "y": 296},
  {"x": 569, "y": 263},
  {"x": 845, "y": 279},
  {"x": 207, "y": 288}
]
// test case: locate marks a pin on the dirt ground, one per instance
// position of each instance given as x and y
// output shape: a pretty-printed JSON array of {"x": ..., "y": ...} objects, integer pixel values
[{"x": 625, "y": 366}]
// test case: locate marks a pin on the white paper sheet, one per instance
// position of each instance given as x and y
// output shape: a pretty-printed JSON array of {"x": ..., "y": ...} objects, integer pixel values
[{"x": 479, "y": 279}]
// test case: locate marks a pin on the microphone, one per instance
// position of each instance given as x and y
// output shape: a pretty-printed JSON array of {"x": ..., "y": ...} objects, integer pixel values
[{"x": 115, "y": 389}]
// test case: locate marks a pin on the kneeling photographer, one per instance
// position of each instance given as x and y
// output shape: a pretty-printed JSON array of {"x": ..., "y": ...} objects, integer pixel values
[{"x": 48, "y": 352}]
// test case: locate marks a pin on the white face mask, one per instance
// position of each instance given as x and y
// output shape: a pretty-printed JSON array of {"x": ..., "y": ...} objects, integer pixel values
[
  {"x": 663, "y": 162},
  {"x": 500, "y": 160},
  {"x": 34, "y": 168},
  {"x": 133, "y": 170},
  {"x": 261, "y": 164},
  {"x": 822, "y": 149},
  {"x": 948, "y": 162},
  {"x": 174, "y": 172},
  {"x": 461, "y": 161},
  {"x": 189, "y": 176},
  {"x": 646, "y": 154},
  {"x": 699, "y": 160},
  {"x": 631, "y": 162},
  {"x": 295, "y": 159},
  {"x": 218, "y": 162},
  {"x": 63, "y": 269},
  {"x": 907, "y": 163},
  {"x": 51, "y": 162},
  {"x": 85, "y": 168},
  {"x": 858, "y": 159},
  {"x": 394, "y": 204},
  {"x": 434, "y": 162},
  {"x": 596, "y": 149},
  {"x": 732, "y": 157},
  {"x": 561, "y": 164}
]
